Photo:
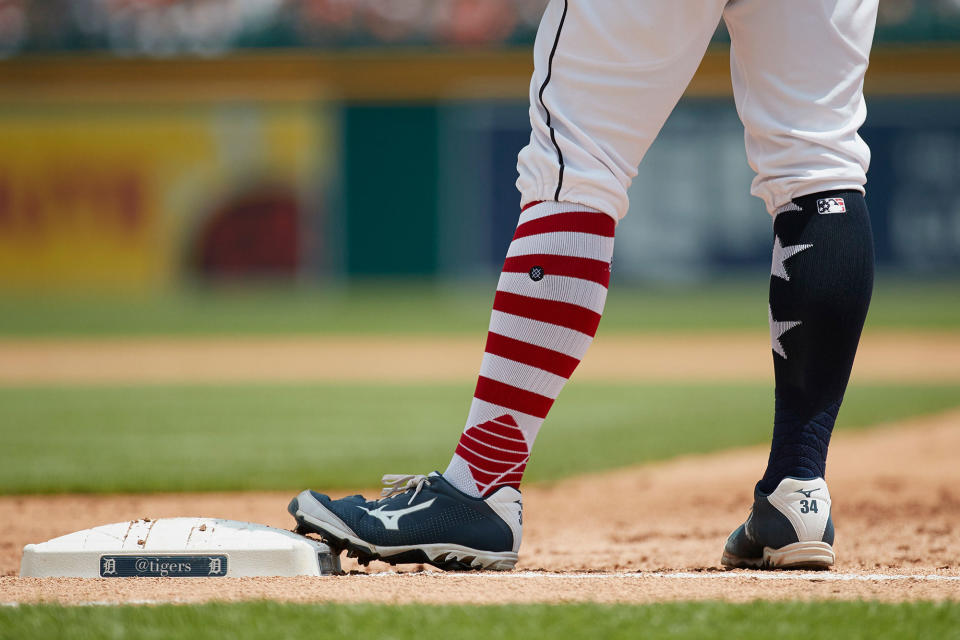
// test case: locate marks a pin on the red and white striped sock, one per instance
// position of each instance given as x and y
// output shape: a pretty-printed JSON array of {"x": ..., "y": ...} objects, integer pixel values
[{"x": 546, "y": 311}]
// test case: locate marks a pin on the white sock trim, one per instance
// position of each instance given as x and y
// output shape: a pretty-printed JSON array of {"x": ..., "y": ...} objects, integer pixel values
[
  {"x": 550, "y": 208},
  {"x": 572, "y": 244}
]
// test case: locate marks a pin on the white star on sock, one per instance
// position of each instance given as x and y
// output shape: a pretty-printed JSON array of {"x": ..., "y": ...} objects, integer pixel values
[
  {"x": 777, "y": 329},
  {"x": 781, "y": 254}
]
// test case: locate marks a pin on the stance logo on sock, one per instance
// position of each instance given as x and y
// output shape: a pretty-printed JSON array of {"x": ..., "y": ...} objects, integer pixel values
[
  {"x": 831, "y": 205},
  {"x": 496, "y": 451}
]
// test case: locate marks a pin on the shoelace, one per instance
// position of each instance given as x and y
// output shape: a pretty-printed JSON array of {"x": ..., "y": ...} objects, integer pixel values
[{"x": 400, "y": 483}]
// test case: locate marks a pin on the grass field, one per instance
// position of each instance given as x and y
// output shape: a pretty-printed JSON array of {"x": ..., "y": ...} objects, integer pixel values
[
  {"x": 760, "y": 620},
  {"x": 195, "y": 438},
  {"x": 427, "y": 309}
]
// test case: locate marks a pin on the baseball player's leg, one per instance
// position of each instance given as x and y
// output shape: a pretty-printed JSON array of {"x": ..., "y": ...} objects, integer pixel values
[
  {"x": 607, "y": 74},
  {"x": 606, "y": 77},
  {"x": 797, "y": 71},
  {"x": 798, "y": 76}
]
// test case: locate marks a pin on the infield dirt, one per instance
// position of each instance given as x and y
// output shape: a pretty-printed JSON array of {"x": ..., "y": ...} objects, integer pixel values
[
  {"x": 615, "y": 536},
  {"x": 586, "y": 538}
]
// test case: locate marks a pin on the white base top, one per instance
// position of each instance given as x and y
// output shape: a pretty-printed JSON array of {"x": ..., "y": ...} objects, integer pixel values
[{"x": 178, "y": 548}]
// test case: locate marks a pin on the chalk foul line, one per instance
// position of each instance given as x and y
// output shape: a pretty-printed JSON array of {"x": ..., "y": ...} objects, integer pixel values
[{"x": 808, "y": 576}]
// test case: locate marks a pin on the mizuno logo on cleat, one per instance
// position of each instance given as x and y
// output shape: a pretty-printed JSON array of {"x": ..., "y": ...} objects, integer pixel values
[
  {"x": 807, "y": 492},
  {"x": 390, "y": 519}
]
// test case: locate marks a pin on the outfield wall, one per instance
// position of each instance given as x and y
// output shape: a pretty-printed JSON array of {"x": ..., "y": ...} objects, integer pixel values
[{"x": 142, "y": 174}]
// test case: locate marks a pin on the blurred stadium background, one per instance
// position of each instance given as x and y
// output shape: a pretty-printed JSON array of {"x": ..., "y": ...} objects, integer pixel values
[
  {"x": 151, "y": 145},
  {"x": 196, "y": 193}
]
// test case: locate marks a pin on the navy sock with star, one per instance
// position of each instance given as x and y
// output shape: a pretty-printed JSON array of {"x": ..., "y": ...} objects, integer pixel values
[{"x": 821, "y": 279}]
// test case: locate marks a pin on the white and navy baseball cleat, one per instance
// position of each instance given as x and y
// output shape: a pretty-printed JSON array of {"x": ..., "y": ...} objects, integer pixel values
[
  {"x": 419, "y": 519},
  {"x": 790, "y": 528}
]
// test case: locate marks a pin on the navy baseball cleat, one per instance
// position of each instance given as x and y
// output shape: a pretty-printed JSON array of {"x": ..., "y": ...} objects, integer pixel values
[
  {"x": 790, "y": 528},
  {"x": 419, "y": 519}
]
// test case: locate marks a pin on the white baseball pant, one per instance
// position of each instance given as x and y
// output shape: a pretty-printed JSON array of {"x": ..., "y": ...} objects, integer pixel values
[{"x": 609, "y": 72}]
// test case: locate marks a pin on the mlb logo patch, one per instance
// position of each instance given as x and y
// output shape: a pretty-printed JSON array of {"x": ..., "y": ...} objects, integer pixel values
[{"x": 831, "y": 205}]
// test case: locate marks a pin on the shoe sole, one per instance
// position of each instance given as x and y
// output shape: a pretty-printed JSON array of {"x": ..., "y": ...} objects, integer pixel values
[
  {"x": 799, "y": 555},
  {"x": 449, "y": 557}
]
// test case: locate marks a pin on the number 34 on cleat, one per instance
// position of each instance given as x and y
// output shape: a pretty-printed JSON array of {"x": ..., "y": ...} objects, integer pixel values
[{"x": 808, "y": 506}]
